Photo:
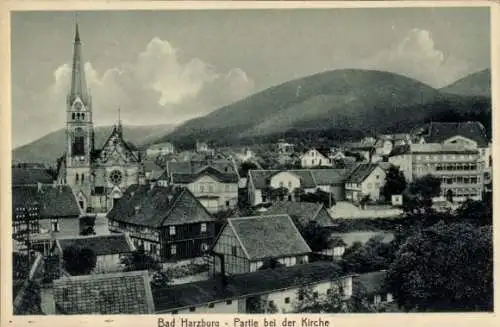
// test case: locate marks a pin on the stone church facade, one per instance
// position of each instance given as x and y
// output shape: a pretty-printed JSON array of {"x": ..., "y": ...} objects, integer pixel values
[{"x": 98, "y": 177}]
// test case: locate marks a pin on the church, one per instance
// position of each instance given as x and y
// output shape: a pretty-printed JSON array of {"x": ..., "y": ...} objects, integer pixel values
[{"x": 97, "y": 176}]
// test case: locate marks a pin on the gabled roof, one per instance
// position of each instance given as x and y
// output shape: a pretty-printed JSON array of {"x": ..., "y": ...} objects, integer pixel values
[
  {"x": 441, "y": 148},
  {"x": 260, "y": 178},
  {"x": 361, "y": 172},
  {"x": 30, "y": 176},
  {"x": 302, "y": 212},
  {"x": 100, "y": 244},
  {"x": 186, "y": 178},
  {"x": 117, "y": 293},
  {"x": 118, "y": 133},
  {"x": 270, "y": 236},
  {"x": 373, "y": 282},
  {"x": 330, "y": 176},
  {"x": 253, "y": 283},
  {"x": 159, "y": 206},
  {"x": 324, "y": 152},
  {"x": 438, "y": 132},
  {"x": 53, "y": 201},
  {"x": 400, "y": 150}
]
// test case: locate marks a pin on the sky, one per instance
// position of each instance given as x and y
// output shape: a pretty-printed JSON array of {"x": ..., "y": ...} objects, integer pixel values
[{"x": 165, "y": 67}]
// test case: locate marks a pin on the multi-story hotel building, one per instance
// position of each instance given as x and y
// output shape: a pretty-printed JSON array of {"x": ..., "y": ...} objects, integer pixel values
[{"x": 460, "y": 168}]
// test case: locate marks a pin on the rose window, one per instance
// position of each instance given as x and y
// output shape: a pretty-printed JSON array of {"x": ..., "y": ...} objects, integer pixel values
[{"x": 115, "y": 177}]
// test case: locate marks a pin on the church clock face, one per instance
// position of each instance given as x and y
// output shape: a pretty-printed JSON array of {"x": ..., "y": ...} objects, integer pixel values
[{"x": 116, "y": 177}]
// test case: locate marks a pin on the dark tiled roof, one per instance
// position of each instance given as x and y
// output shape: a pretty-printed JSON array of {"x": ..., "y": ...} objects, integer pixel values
[
  {"x": 302, "y": 212},
  {"x": 159, "y": 206},
  {"x": 100, "y": 244},
  {"x": 210, "y": 171},
  {"x": 54, "y": 201},
  {"x": 330, "y": 176},
  {"x": 373, "y": 282},
  {"x": 399, "y": 150},
  {"x": 117, "y": 293},
  {"x": 361, "y": 172},
  {"x": 261, "y": 178},
  {"x": 438, "y": 132},
  {"x": 151, "y": 165},
  {"x": 259, "y": 282},
  {"x": 268, "y": 236},
  {"x": 30, "y": 176}
]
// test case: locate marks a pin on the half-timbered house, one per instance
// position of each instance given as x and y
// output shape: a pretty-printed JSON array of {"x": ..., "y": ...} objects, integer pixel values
[{"x": 167, "y": 222}]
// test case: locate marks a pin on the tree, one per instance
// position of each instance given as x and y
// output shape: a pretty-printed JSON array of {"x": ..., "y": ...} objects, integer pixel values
[
  {"x": 140, "y": 260},
  {"x": 373, "y": 256},
  {"x": 79, "y": 261},
  {"x": 447, "y": 267},
  {"x": 271, "y": 264},
  {"x": 310, "y": 301},
  {"x": 365, "y": 199},
  {"x": 476, "y": 212},
  {"x": 395, "y": 183},
  {"x": 418, "y": 196},
  {"x": 316, "y": 237},
  {"x": 245, "y": 167}
]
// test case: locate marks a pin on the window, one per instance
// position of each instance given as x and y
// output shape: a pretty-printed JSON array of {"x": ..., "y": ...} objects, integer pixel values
[
  {"x": 228, "y": 302},
  {"x": 173, "y": 249},
  {"x": 234, "y": 250},
  {"x": 271, "y": 303},
  {"x": 378, "y": 176},
  {"x": 227, "y": 203},
  {"x": 301, "y": 297},
  {"x": 313, "y": 161},
  {"x": 76, "y": 178},
  {"x": 83, "y": 178},
  {"x": 153, "y": 249},
  {"x": 202, "y": 188},
  {"x": 211, "y": 305},
  {"x": 203, "y": 227},
  {"x": 54, "y": 224},
  {"x": 281, "y": 184},
  {"x": 210, "y": 187},
  {"x": 287, "y": 300},
  {"x": 73, "y": 116},
  {"x": 204, "y": 247},
  {"x": 192, "y": 309},
  {"x": 172, "y": 230},
  {"x": 83, "y": 116},
  {"x": 315, "y": 295}
]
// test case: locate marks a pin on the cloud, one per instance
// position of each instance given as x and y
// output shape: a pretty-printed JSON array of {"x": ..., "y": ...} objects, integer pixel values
[
  {"x": 417, "y": 56},
  {"x": 159, "y": 86}
]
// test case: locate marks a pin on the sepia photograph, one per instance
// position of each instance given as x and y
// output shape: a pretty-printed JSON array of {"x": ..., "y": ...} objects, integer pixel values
[{"x": 251, "y": 161}]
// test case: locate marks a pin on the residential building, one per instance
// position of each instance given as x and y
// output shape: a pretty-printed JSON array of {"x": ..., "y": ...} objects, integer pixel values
[
  {"x": 160, "y": 149},
  {"x": 371, "y": 288},
  {"x": 386, "y": 142},
  {"x": 202, "y": 147},
  {"x": 152, "y": 170},
  {"x": 109, "y": 249},
  {"x": 105, "y": 294},
  {"x": 169, "y": 223},
  {"x": 284, "y": 147},
  {"x": 470, "y": 134},
  {"x": 303, "y": 213},
  {"x": 315, "y": 158},
  {"x": 460, "y": 169},
  {"x": 254, "y": 291},
  {"x": 365, "y": 180},
  {"x": 245, "y": 244},
  {"x": 28, "y": 176},
  {"x": 43, "y": 212},
  {"x": 309, "y": 180},
  {"x": 216, "y": 190}
]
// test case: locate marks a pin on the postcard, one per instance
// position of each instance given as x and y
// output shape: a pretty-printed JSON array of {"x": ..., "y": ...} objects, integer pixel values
[{"x": 248, "y": 164}]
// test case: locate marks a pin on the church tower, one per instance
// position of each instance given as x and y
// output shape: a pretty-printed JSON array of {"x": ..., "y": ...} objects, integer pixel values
[{"x": 79, "y": 129}]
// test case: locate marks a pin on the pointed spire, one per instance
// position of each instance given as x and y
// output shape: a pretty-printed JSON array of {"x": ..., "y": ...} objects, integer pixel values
[
  {"x": 78, "y": 83},
  {"x": 119, "y": 126}
]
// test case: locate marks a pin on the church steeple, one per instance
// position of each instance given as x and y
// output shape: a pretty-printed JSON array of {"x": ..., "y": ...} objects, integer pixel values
[{"x": 78, "y": 83}]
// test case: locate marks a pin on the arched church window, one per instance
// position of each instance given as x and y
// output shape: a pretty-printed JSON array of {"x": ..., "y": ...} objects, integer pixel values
[
  {"x": 83, "y": 178},
  {"x": 83, "y": 116},
  {"x": 73, "y": 116},
  {"x": 76, "y": 178},
  {"x": 78, "y": 116},
  {"x": 79, "y": 142}
]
